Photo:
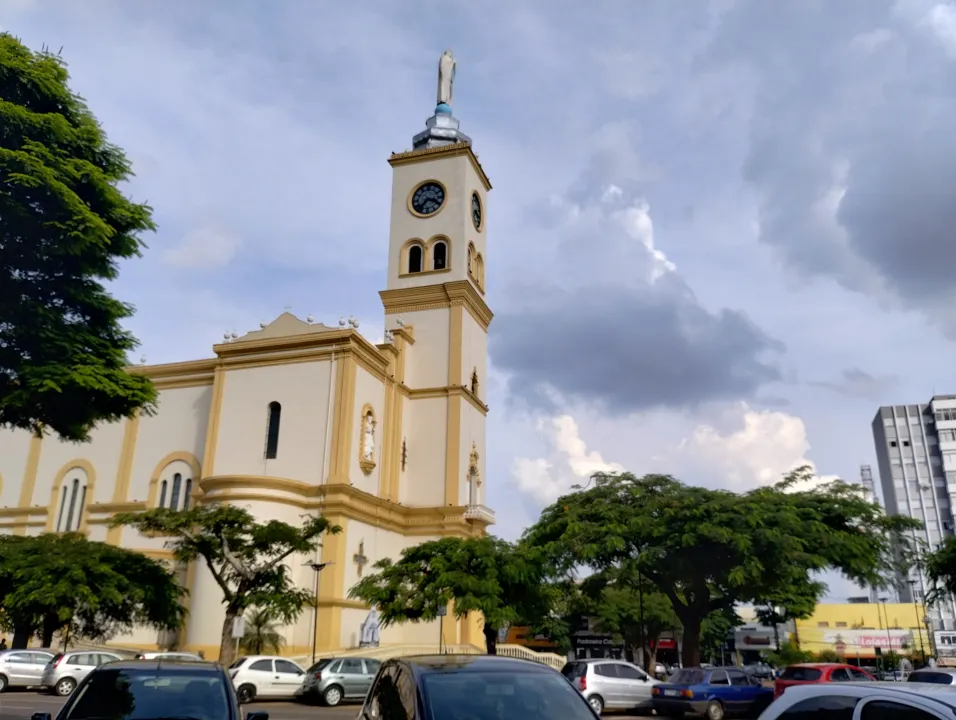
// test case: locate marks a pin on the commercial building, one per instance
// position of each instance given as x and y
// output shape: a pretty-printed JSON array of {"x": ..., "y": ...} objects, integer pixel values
[
  {"x": 857, "y": 630},
  {"x": 916, "y": 456}
]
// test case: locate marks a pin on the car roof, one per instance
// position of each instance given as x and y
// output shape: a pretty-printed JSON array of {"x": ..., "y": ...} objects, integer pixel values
[
  {"x": 426, "y": 664},
  {"x": 945, "y": 694},
  {"x": 820, "y": 665},
  {"x": 163, "y": 664},
  {"x": 948, "y": 671}
]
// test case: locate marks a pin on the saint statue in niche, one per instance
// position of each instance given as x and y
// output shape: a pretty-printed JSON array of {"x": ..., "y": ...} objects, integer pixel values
[
  {"x": 369, "y": 633},
  {"x": 368, "y": 437}
]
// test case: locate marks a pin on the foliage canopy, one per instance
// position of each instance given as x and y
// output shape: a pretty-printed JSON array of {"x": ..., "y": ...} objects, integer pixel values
[{"x": 64, "y": 227}]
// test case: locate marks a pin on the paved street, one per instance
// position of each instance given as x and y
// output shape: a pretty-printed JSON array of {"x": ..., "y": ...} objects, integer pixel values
[{"x": 20, "y": 705}]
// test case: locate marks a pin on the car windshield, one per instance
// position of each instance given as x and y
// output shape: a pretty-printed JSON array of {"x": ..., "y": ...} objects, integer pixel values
[
  {"x": 319, "y": 664},
  {"x": 688, "y": 676},
  {"x": 149, "y": 694},
  {"x": 801, "y": 674},
  {"x": 504, "y": 696}
]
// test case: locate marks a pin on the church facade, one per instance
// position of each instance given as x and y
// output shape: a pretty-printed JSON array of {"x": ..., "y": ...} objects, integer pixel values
[{"x": 296, "y": 418}]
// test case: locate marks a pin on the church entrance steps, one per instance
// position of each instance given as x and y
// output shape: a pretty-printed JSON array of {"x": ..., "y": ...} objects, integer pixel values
[{"x": 384, "y": 652}]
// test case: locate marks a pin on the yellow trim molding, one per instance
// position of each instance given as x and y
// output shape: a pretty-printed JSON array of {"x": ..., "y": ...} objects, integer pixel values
[
  {"x": 444, "y": 201},
  {"x": 343, "y": 411},
  {"x": 432, "y": 297},
  {"x": 212, "y": 428},
  {"x": 455, "y": 150},
  {"x": 123, "y": 472},
  {"x": 179, "y": 456},
  {"x": 328, "y": 615},
  {"x": 28, "y": 484}
]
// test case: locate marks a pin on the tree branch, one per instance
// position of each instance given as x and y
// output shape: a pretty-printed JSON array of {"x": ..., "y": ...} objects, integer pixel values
[{"x": 235, "y": 562}]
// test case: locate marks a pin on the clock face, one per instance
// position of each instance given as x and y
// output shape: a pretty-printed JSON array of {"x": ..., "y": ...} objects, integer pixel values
[
  {"x": 476, "y": 211},
  {"x": 428, "y": 198}
]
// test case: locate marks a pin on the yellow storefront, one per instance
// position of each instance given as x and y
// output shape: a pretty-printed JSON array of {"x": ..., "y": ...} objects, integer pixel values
[{"x": 856, "y": 630}]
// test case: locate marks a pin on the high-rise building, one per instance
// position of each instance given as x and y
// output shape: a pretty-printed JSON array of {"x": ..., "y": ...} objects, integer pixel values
[
  {"x": 916, "y": 456},
  {"x": 869, "y": 493}
]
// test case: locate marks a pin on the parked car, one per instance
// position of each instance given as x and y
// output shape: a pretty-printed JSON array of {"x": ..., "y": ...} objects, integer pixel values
[
  {"x": 812, "y": 673},
  {"x": 332, "y": 680},
  {"x": 936, "y": 676},
  {"x": 170, "y": 655},
  {"x": 761, "y": 671},
  {"x": 864, "y": 700},
  {"x": 66, "y": 670},
  {"x": 436, "y": 687},
  {"x": 22, "y": 668},
  {"x": 265, "y": 676},
  {"x": 152, "y": 689},
  {"x": 711, "y": 692},
  {"x": 611, "y": 684}
]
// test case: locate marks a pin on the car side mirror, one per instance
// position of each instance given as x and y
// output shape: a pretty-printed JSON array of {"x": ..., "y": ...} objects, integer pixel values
[
  {"x": 41, "y": 716},
  {"x": 257, "y": 716}
]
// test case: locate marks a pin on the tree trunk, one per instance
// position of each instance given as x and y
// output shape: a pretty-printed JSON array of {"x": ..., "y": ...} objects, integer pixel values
[
  {"x": 51, "y": 623},
  {"x": 776, "y": 635},
  {"x": 491, "y": 639},
  {"x": 690, "y": 652},
  {"x": 21, "y": 637},
  {"x": 227, "y": 644}
]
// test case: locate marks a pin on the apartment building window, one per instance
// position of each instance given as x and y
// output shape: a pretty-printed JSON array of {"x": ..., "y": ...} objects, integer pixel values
[
  {"x": 947, "y": 435},
  {"x": 823, "y": 624}
]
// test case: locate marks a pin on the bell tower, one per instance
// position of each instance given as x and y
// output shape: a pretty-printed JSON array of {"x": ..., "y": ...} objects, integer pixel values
[{"x": 436, "y": 290}]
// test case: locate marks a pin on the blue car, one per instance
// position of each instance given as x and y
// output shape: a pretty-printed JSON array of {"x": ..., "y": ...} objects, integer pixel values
[{"x": 710, "y": 692}]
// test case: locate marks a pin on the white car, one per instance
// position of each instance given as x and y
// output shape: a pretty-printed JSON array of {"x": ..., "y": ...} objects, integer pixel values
[
  {"x": 265, "y": 676},
  {"x": 864, "y": 701},
  {"x": 169, "y": 655}
]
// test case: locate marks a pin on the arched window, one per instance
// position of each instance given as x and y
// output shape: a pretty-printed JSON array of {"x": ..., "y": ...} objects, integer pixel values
[
  {"x": 272, "y": 432},
  {"x": 480, "y": 271},
  {"x": 189, "y": 491},
  {"x": 471, "y": 259},
  {"x": 415, "y": 259},
  {"x": 439, "y": 256},
  {"x": 177, "y": 487},
  {"x": 162, "y": 493},
  {"x": 71, "y": 506}
]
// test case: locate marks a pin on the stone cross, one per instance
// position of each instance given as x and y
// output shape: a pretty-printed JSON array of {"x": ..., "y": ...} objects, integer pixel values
[{"x": 359, "y": 558}]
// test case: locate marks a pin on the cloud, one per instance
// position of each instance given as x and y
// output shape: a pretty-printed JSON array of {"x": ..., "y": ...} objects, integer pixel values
[
  {"x": 205, "y": 247},
  {"x": 856, "y": 383},
  {"x": 850, "y": 145},
  {"x": 618, "y": 326},
  {"x": 569, "y": 462}
]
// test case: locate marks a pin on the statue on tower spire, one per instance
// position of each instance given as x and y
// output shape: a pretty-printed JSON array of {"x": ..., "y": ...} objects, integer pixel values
[{"x": 446, "y": 77}]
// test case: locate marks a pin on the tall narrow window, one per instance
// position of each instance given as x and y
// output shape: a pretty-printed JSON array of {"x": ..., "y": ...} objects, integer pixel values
[
  {"x": 177, "y": 486},
  {"x": 162, "y": 494},
  {"x": 415, "y": 259},
  {"x": 64, "y": 499},
  {"x": 73, "y": 498},
  {"x": 189, "y": 491},
  {"x": 79, "y": 514},
  {"x": 439, "y": 256},
  {"x": 272, "y": 435}
]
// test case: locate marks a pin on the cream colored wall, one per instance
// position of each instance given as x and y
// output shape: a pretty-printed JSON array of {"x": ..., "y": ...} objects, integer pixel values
[
  {"x": 474, "y": 354},
  {"x": 453, "y": 220},
  {"x": 424, "y": 483},
  {"x": 427, "y": 362},
  {"x": 368, "y": 390},
  {"x": 178, "y": 426},
  {"x": 472, "y": 431},
  {"x": 103, "y": 452},
  {"x": 14, "y": 449},
  {"x": 303, "y": 391}
]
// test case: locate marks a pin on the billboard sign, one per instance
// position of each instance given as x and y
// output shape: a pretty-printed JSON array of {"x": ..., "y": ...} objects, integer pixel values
[
  {"x": 751, "y": 638},
  {"x": 853, "y": 640}
]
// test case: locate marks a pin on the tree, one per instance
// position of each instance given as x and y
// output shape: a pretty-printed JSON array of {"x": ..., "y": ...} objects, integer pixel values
[
  {"x": 64, "y": 228},
  {"x": 89, "y": 589},
  {"x": 625, "y": 604},
  {"x": 786, "y": 604},
  {"x": 789, "y": 654},
  {"x": 246, "y": 558},
  {"x": 707, "y": 550},
  {"x": 941, "y": 570},
  {"x": 260, "y": 636},
  {"x": 485, "y": 575},
  {"x": 715, "y": 629}
]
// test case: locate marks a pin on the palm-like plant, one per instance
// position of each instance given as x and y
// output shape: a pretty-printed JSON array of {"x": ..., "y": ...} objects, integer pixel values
[{"x": 261, "y": 636}]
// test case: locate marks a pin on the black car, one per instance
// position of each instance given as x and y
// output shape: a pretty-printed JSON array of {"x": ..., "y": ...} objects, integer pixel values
[
  {"x": 472, "y": 687},
  {"x": 153, "y": 689}
]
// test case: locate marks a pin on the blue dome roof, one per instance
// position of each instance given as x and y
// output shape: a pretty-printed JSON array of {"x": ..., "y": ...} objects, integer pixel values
[{"x": 443, "y": 109}]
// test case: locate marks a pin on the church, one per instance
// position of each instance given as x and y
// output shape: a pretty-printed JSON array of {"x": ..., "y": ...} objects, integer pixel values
[{"x": 295, "y": 418}]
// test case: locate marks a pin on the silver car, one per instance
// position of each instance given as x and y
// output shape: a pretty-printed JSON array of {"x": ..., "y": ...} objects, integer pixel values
[
  {"x": 22, "y": 668},
  {"x": 611, "y": 684},
  {"x": 332, "y": 680},
  {"x": 65, "y": 670}
]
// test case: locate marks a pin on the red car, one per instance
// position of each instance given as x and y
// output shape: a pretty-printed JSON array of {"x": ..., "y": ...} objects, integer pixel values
[{"x": 809, "y": 673}]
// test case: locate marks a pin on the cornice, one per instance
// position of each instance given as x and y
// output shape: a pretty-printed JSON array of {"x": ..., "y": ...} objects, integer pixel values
[
  {"x": 426, "y": 297},
  {"x": 454, "y": 150}
]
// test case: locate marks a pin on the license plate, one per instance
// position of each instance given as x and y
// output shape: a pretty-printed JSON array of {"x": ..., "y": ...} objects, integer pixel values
[{"x": 672, "y": 693}]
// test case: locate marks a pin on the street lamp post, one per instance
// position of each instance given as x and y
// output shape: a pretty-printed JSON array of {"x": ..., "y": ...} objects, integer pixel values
[
  {"x": 886, "y": 617},
  {"x": 317, "y": 567},
  {"x": 919, "y": 627}
]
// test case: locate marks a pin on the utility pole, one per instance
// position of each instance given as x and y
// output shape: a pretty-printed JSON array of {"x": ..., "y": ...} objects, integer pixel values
[{"x": 919, "y": 626}]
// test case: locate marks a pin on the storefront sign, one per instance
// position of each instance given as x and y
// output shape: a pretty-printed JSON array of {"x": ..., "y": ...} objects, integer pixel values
[
  {"x": 853, "y": 640},
  {"x": 582, "y": 640},
  {"x": 754, "y": 639},
  {"x": 667, "y": 644}
]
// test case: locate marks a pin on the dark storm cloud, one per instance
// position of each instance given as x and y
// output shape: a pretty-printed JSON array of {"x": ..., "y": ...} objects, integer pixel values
[
  {"x": 856, "y": 383},
  {"x": 631, "y": 348},
  {"x": 852, "y": 148}
]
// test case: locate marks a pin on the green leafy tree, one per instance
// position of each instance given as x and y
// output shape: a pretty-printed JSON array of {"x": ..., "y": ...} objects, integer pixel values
[
  {"x": 828, "y": 655},
  {"x": 485, "y": 575},
  {"x": 631, "y": 607},
  {"x": 246, "y": 558},
  {"x": 941, "y": 570},
  {"x": 714, "y": 631},
  {"x": 64, "y": 228},
  {"x": 789, "y": 654},
  {"x": 707, "y": 550},
  {"x": 67, "y": 583},
  {"x": 261, "y": 635}
]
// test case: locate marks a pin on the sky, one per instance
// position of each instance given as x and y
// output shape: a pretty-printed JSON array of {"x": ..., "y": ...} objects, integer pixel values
[{"x": 717, "y": 235}]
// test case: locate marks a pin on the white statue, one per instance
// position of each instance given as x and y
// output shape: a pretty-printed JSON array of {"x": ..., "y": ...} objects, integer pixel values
[
  {"x": 368, "y": 440},
  {"x": 446, "y": 77},
  {"x": 369, "y": 635}
]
